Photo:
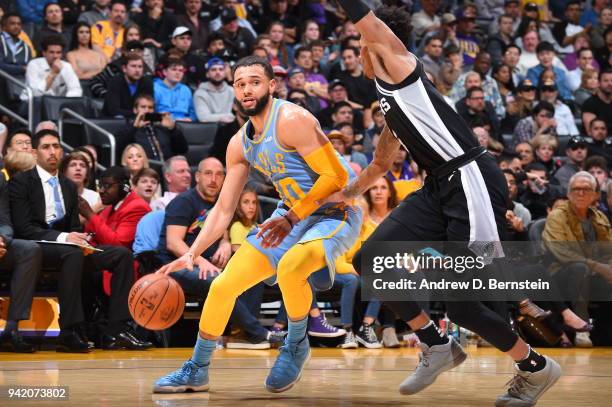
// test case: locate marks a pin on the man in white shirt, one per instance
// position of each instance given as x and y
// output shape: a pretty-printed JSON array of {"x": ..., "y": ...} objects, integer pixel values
[
  {"x": 585, "y": 61},
  {"x": 49, "y": 75},
  {"x": 426, "y": 20},
  {"x": 177, "y": 174}
]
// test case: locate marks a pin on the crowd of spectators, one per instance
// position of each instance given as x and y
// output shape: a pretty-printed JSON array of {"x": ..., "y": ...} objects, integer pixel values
[{"x": 532, "y": 79}]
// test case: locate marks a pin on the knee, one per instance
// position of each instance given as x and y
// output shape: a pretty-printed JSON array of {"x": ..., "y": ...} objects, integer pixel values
[
  {"x": 350, "y": 281},
  {"x": 219, "y": 289},
  {"x": 295, "y": 261},
  {"x": 26, "y": 250}
]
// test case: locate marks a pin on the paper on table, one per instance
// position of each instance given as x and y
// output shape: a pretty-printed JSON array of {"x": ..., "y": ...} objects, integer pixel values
[{"x": 87, "y": 247}]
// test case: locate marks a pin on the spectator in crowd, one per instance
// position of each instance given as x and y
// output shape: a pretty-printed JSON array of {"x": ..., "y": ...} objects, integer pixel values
[
  {"x": 598, "y": 31},
  {"x": 315, "y": 83},
  {"x": 32, "y": 11},
  {"x": 132, "y": 42},
  {"x": 99, "y": 12},
  {"x": 544, "y": 146},
  {"x": 14, "y": 52},
  {"x": 518, "y": 216},
  {"x": 502, "y": 74},
  {"x": 217, "y": 23},
  {"x": 23, "y": 259},
  {"x": 523, "y": 105},
  {"x": 146, "y": 184},
  {"x": 591, "y": 14},
  {"x": 589, "y": 83},
  {"x": 481, "y": 79},
  {"x": 49, "y": 75},
  {"x": 597, "y": 166},
  {"x": 123, "y": 90},
  {"x": 372, "y": 135},
  {"x": 86, "y": 60},
  {"x": 337, "y": 91},
  {"x": 498, "y": 42},
  {"x": 525, "y": 152},
  {"x": 427, "y": 19},
  {"x": 447, "y": 32},
  {"x": 432, "y": 60},
  {"x": 360, "y": 89},
  {"x": 156, "y": 133},
  {"x": 342, "y": 112},
  {"x": 598, "y": 105},
  {"x": 214, "y": 99},
  {"x": 16, "y": 162},
  {"x": 529, "y": 57},
  {"x": 576, "y": 152},
  {"x": 570, "y": 61},
  {"x": 473, "y": 108},
  {"x": 46, "y": 125},
  {"x": 563, "y": 114},
  {"x": 134, "y": 158},
  {"x": 99, "y": 83},
  {"x": 44, "y": 206},
  {"x": 541, "y": 121},
  {"x": 339, "y": 142},
  {"x": 296, "y": 80},
  {"x": 177, "y": 175},
  {"x": 585, "y": 62},
  {"x": 400, "y": 169},
  {"x": 157, "y": 23},
  {"x": 181, "y": 47},
  {"x": 598, "y": 141},
  {"x": 92, "y": 158},
  {"x": 52, "y": 25},
  {"x": 451, "y": 68},
  {"x": 565, "y": 31},
  {"x": 194, "y": 22},
  {"x": 239, "y": 40},
  {"x": 245, "y": 218},
  {"x": 108, "y": 34},
  {"x": 75, "y": 167},
  {"x": 172, "y": 96},
  {"x": 577, "y": 266},
  {"x": 546, "y": 54},
  {"x": 19, "y": 139},
  {"x": 279, "y": 50},
  {"x": 466, "y": 23},
  {"x": 538, "y": 190},
  {"x": 511, "y": 57},
  {"x": 116, "y": 224}
]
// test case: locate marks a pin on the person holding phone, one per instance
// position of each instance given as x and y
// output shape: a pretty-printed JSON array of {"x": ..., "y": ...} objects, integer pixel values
[{"x": 156, "y": 132}]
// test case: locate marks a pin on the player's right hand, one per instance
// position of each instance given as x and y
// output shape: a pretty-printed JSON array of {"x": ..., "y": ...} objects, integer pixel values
[{"x": 183, "y": 262}]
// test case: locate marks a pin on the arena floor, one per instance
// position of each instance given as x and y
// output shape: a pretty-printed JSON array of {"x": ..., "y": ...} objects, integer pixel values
[{"x": 333, "y": 377}]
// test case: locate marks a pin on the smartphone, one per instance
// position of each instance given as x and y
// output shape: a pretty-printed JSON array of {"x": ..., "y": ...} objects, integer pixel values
[{"x": 153, "y": 117}]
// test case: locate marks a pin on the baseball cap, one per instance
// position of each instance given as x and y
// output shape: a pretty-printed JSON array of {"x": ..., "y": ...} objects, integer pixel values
[
  {"x": 526, "y": 85},
  {"x": 181, "y": 30},
  {"x": 214, "y": 62},
  {"x": 335, "y": 134},
  {"x": 576, "y": 142},
  {"x": 228, "y": 14},
  {"x": 460, "y": 15},
  {"x": 510, "y": 2},
  {"x": 132, "y": 45},
  {"x": 333, "y": 84},
  {"x": 544, "y": 46},
  {"x": 531, "y": 7},
  {"x": 294, "y": 71},
  {"x": 448, "y": 18},
  {"x": 279, "y": 71}
]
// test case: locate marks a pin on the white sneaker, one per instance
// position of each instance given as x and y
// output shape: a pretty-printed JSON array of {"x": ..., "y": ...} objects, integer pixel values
[
  {"x": 389, "y": 338},
  {"x": 583, "y": 340},
  {"x": 349, "y": 341},
  {"x": 527, "y": 387}
]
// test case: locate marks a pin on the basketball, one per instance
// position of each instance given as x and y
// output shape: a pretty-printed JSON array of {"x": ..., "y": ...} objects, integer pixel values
[{"x": 156, "y": 301}]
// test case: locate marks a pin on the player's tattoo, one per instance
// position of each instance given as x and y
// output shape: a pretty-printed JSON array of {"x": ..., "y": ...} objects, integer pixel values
[{"x": 385, "y": 152}]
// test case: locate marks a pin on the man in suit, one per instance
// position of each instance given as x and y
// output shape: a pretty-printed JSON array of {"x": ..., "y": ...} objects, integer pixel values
[
  {"x": 123, "y": 89},
  {"x": 23, "y": 258},
  {"x": 44, "y": 206}
]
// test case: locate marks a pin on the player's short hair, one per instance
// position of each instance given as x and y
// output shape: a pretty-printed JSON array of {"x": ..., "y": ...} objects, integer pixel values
[
  {"x": 255, "y": 60},
  {"x": 398, "y": 20}
]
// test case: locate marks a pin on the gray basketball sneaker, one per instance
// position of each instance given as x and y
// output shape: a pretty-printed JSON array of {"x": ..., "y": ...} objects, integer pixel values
[
  {"x": 433, "y": 361},
  {"x": 526, "y": 388}
]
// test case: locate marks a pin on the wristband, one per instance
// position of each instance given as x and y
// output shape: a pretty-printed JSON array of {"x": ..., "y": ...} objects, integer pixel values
[
  {"x": 355, "y": 9},
  {"x": 288, "y": 219}
]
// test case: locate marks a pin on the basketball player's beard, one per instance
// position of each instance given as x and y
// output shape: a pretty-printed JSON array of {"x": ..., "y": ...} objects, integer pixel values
[{"x": 260, "y": 105}]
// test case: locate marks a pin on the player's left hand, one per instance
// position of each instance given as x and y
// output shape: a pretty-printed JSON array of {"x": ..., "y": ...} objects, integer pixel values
[{"x": 273, "y": 231}]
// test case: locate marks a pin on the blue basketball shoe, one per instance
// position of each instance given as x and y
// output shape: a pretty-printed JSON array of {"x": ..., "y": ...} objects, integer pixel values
[
  {"x": 288, "y": 367},
  {"x": 189, "y": 377}
]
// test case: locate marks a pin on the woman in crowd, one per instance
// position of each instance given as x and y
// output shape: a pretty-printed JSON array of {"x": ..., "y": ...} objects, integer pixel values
[
  {"x": 18, "y": 161},
  {"x": 310, "y": 33},
  {"x": 503, "y": 76},
  {"x": 588, "y": 86},
  {"x": 245, "y": 217},
  {"x": 134, "y": 158},
  {"x": 132, "y": 32},
  {"x": 279, "y": 50},
  {"x": 86, "y": 60},
  {"x": 92, "y": 159},
  {"x": 545, "y": 146}
]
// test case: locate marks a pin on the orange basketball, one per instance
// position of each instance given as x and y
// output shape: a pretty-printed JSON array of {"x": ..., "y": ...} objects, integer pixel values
[{"x": 156, "y": 301}]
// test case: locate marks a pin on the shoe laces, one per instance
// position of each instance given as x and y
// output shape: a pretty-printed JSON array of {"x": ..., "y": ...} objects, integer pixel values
[
  {"x": 349, "y": 337},
  {"x": 424, "y": 358},
  {"x": 516, "y": 385},
  {"x": 326, "y": 324},
  {"x": 369, "y": 333}
]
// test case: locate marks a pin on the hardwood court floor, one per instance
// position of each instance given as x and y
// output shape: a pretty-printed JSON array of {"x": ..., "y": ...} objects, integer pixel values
[{"x": 333, "y": 377}]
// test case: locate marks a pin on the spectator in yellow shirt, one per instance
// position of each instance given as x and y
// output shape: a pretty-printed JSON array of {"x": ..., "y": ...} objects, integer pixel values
[
  {"x": 245, "y": 217},
  {"x": 108, "y": 34}
]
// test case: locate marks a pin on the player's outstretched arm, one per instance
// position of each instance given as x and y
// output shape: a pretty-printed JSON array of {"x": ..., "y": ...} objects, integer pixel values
[
  {"x": 385, "y": 152},
  {"x": 221, "y": 214}
]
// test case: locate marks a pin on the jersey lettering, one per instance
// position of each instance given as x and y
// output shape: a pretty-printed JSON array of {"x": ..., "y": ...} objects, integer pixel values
[{"x": 384, "y": 105}]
